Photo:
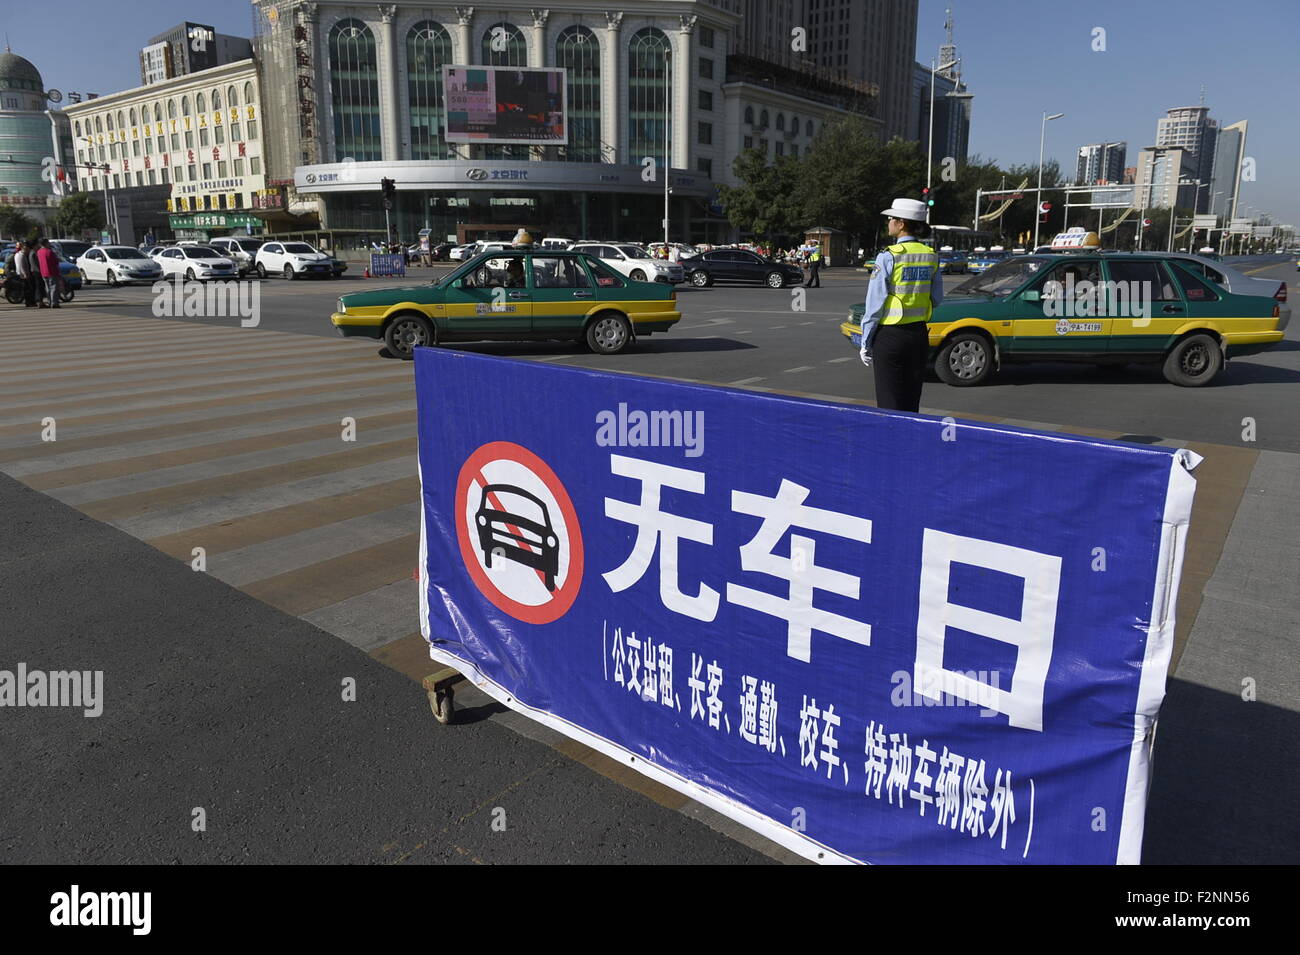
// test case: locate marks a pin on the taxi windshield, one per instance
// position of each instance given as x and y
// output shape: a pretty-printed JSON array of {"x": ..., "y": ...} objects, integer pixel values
[{"x": 1001, "y": 280}]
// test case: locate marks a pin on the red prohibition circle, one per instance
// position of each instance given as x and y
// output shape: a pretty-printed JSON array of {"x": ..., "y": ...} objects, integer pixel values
[{"x": 558, "y": 605}]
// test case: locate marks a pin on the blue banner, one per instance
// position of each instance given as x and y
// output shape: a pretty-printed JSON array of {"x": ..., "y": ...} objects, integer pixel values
[
  {"x": 385, "y": 263},
  {"x": 871, "y": 636}
]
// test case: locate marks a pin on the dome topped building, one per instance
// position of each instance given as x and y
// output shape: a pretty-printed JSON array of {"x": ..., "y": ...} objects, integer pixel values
[{"x": 28, "y": 134}]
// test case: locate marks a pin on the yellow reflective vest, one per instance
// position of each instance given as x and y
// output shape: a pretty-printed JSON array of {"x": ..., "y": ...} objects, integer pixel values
[{"x": 915, "y": 265}]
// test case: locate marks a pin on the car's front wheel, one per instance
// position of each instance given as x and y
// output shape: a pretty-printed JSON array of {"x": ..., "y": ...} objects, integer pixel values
[
  {"x": 775, "y": 280},
  {"x": 261, "y": 270},
  {"x": 637, "y": 275},
  {"x": 288, "y": 273},
  {"x": 965, "y": 359},
  {"x": 405, "y": 333},
  {"x": 609, "y": 334},
  {"x": 66, "y": 294},
  {"x": 112, "y": 279},
  {"x": 1194, "y": 361},
  {"x": 189, "y": 274},
  {"x": 701, "y": 279}
]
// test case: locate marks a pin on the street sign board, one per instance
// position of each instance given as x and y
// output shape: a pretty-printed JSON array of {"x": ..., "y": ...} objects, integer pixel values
[
  {"x": 1205, "y": 222},
  {"x": 784, "y": 630}
]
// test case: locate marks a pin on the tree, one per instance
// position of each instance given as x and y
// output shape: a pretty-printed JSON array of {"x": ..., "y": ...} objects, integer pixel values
[
  {"x": 78, "y": 212},
  {"x": 765, "y": 203},
  {"x": 848, "y": 176},
  {"x": 14, "y": 223}
]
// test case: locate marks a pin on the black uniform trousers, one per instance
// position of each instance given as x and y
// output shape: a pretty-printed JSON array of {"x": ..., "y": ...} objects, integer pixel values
[
  {"x": 814, "y": 276},
  {"x": 899, "y": 354}
]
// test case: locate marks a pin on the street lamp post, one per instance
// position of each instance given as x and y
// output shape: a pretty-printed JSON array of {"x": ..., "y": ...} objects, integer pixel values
[
  {"x": 1042, "y": 140},
  {"x": 929, "y": 163},
  {"x": 668, "y": 135}
]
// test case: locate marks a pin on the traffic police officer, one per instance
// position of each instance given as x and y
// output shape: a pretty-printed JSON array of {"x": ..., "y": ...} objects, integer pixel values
[{"x": 904, "y": 288}]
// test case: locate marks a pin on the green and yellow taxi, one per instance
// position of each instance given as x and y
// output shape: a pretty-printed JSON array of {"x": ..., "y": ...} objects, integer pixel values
[
  {"x": 1107, "y": 308},
  {"x": 514, "y": 294}
]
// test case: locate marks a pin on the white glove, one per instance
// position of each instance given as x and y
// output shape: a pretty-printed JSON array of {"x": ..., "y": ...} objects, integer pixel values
[{"x": 865, "y": 355}]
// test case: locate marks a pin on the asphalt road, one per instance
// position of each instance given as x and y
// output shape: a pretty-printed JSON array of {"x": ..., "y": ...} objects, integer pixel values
[{"x": 758, "y": 338}]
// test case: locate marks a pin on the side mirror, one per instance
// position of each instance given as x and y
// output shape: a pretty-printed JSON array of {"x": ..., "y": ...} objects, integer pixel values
[{"x": 1031, "y": 296}]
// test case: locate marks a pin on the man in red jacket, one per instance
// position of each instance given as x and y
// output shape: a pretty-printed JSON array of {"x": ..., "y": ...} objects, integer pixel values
[{"x": 49, "y": 264}]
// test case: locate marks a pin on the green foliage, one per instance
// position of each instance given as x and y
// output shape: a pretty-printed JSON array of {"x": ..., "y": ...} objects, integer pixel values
[
  {"x": 79, "y": 211},
  {"x": 14, "y": 223},
  {"x": 765, "y": 203}
]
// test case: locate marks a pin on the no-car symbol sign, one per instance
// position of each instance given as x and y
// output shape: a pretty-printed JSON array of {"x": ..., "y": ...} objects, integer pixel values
[{"x": 518, "y": 532}]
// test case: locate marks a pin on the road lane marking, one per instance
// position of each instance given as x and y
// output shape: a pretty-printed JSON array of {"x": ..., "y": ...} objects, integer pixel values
[
  {"x": 744, "y": 381},
  {"x": 832, "y": 361},
  {"x": 791, "y": 371}
]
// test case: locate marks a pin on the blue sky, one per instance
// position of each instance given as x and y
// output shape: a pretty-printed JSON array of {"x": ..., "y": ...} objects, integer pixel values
[{"x": 1018, "y": 57}]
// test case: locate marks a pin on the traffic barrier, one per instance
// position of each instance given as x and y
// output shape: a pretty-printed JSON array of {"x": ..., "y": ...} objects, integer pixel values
[{"x": 869, "y": 636}]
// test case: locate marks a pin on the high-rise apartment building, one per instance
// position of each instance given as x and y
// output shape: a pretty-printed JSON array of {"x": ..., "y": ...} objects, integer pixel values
[
  {"x": 1101, "y": 163},
  {"x": 188, "y": 48},
  {"x": 1191, "y": 129},
  {"x": 1225, "y": 180}
]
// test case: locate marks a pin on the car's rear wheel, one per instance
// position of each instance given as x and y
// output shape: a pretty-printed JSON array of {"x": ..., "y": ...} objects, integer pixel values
[
  {"x": 701, "y": 279},
  {"x": 965, "y": 359},
  {"x": 407, "y": 332},
  {"x": 1194, "y": 361},
  {"x": 261, "y": 270},
  {"x": 609, "y": 333},
  {"x": 637, "y": 275},
  {"x": 288, "y": 273},
  {"x": 775, "y": 280}
]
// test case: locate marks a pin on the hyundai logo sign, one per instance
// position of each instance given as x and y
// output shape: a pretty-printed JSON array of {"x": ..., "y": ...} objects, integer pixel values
[
  {"x": 476, "y": 174},
  {"x": 310, "y": 177}
]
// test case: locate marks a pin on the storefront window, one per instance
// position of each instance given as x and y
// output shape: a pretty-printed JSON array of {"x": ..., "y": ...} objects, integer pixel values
[
  {"x": 578, "y": 52},
  {"x": 354, "y": 89},
  {"x": 647, "y": 75},
  {"x": 428, "y": 48},
  {"x": 504, "y": 45}
]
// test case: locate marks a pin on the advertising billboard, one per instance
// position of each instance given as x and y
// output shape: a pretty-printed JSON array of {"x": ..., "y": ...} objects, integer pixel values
[
  {"x": 869, "y": 636},
  {"x": 506, "y": 104}
]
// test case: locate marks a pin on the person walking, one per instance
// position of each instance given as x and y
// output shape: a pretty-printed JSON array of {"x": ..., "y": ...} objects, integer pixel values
[
  {"x": 48, "y": 262},
  {"x": 903, "y": 291},
  {"x": 24, "y": 264},
  {"x": 814, "y": 266}
]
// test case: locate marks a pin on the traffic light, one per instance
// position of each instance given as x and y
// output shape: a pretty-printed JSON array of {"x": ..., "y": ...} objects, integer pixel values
[
  {"x": 927, "y": 194},
  {"x": 389, "y": 189},
  {"x": 1043, "y": 209}
]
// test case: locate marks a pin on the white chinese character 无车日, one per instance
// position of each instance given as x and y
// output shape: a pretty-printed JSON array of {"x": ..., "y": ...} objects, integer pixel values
[
  {"x": 650, "y": 679},
  {"x": 749, "y": 709},
  {"x": 874, "y": 765},
  {"x": 634, "y": 663},
  {"x": 974, "y": 791},
  {"x": 921, "y": 777},
  {"x": 1003, "y": 805},
  {"x": 809, "y": 731},
  {"x": 666, "y": 674},
  {"x": 657, "y": 530},
  {"x": 830, "y": 745},
  {"x": 947, "y": 798},
  {"x": 696, "y": 685},
  {"x": 714, "y": 701},
  {"x": 779, "y": 514},
  {"x": 767, "y": 717},
  {"x": 900, "y": 768},
  {"x": 618, "y": 653}
]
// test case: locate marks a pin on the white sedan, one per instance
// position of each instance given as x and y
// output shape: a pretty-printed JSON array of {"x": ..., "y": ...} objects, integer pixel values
[
  {"x": 292, "y": 259},
  {"x": 117, "y": 265},
  {"x": 633, "y": 261},
  {"x": 196, "y": 262}
]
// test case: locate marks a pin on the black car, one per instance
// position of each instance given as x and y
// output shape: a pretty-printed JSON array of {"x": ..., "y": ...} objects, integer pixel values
[
  {"x": 738, "y": 265},
  {"x": 517, "y": 536}
]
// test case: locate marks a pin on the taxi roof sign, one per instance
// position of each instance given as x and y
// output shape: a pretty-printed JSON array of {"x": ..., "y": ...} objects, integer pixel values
[{"x": 1076, "y": 238}]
